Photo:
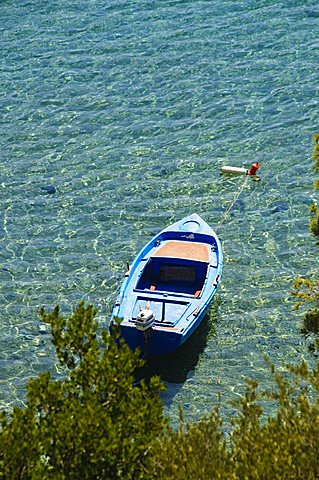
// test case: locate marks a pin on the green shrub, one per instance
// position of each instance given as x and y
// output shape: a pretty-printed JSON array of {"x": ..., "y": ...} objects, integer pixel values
[
  {"x": 306, "y": 291},
  {"x": 314, "y": 221},
  {"x": 96, "y": 423},
  {"x": 195, "y": 451},
  {"x": 284, "y": 446},
  {"x": 311, "y": 322}
]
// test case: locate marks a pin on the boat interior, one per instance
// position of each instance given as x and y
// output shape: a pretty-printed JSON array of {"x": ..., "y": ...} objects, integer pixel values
[
  {"x": 173, "y": 275},
  {"x": 168, "y": 312}
]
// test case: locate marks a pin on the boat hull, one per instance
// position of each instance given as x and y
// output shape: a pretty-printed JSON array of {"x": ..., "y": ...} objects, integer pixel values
[
  {"x": 157, "y": 341},
  {"x": 175, "y": 276}
]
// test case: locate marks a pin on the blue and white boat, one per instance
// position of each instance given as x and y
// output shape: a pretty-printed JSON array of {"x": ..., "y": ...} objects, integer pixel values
[{"x": 169, "y": 286}]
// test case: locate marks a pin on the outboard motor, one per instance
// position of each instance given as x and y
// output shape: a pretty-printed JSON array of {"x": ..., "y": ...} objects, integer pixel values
[{"x": 145, "y": 319}]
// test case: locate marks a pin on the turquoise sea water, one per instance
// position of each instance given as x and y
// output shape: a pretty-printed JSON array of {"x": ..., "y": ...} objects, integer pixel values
[{"x": 130, "y": 108}]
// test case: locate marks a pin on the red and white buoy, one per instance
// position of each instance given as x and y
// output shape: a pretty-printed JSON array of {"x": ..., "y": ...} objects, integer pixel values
[{"x": 241, "y": 170}]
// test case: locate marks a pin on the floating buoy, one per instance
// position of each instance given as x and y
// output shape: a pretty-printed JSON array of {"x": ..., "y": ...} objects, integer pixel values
[
  {"x": 241, "y": 170},
  {"x": 253, "y": 169}
]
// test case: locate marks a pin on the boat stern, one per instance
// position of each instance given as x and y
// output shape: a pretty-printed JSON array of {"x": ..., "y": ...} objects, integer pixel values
[{"x": 155, "y": 340}]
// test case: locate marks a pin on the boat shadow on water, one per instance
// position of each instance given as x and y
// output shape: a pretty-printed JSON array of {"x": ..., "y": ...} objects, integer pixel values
[{"x": 177, "y": 366}]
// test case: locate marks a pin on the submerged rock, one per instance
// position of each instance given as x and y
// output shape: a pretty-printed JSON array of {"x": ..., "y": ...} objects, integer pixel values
[{"x": 50, "y": 189}]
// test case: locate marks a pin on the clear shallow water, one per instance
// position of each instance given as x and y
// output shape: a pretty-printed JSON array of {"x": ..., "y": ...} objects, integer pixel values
[{"x": 130, "y": 108}]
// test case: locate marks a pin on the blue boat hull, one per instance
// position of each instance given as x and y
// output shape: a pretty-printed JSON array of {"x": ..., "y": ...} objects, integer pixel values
[
  {"x": 157, "y": 342},
  {"x": 175, "y": 277}
]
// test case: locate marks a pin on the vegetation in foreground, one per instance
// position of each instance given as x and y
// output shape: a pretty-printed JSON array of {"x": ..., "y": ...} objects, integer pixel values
[{"x": 97, "y": 423}]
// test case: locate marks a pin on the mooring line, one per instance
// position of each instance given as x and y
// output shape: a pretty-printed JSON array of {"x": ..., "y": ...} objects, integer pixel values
[{"x": 230, "y": 206}]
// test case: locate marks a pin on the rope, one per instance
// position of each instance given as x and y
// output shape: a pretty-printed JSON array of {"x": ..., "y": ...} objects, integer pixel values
[{"x": 230, "y": 206}]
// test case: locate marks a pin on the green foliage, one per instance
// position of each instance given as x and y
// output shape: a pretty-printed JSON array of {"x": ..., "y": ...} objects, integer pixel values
[
  {"x": 284, "y": 446},
  {"x": 314, "y": 221},
  {"x": 311, "y": 322},
  {"x": 96, "y": 423},
  {"x": 306, "y": 291},
  {"x": 278, "y": 448},
  {"x": 310, "y": 329},
  {"x": 197, "y": 451},
  {"x": 75, "y": 337}
]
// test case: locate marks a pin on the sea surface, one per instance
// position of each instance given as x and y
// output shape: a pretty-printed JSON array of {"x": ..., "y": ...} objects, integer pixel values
[{"x": 116, "y": 118}]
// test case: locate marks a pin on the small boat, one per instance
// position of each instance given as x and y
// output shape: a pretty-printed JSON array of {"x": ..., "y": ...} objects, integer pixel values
[{"x": 168, "y": 288}]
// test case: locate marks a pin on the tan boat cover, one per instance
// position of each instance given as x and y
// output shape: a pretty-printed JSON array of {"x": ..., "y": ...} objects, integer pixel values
[{"x": 186, "y": 250}]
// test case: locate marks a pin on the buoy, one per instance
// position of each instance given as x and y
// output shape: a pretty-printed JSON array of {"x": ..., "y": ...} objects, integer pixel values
[
  {"x": 253, "y": 169},
  {"x": 235, "y": 170},
  {"x": 241, "y": 170}
]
